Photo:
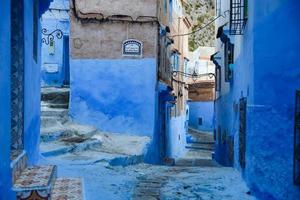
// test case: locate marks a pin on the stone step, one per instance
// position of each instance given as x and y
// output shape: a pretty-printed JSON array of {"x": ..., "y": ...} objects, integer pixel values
[
  {"x": 186, "y": 162},
  {"x": 55, "y": 112},
  {"x": 68, "y": 189},
  {"x": 197, "y": 136},
  {"x": 200, "y": 146},
  {"x": 200, "y": 142},
  {"x": 52, "y": 121},
  {"x": 59, "y": 105},
  {"x": 62, "y": 147},
  {"x": 127, "y": 160},
  {"x": 55, "y": 95},
  {"x": 35, "y": 182},
  {"x": 66, "y": 130}
]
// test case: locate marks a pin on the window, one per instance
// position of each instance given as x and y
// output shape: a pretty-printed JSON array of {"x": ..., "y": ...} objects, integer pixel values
[
  {"x": 297, "y": 140},
  {"x": 171, "y": 10},
  {"x": 218, "y": 80},
  {"x": 228, "y": 60},
  {"x": 238, "y": 16},
  {"x": 186, "y": 65},
  {"x": 175, "y": 61},
  {"x": 246, "y": 10},
  {"x": 35, "y": 28},
  {"x": 200, "y": 121}
]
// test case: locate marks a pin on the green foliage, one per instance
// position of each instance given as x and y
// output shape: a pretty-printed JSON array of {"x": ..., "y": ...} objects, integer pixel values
[{"x": 201, "y": 12}]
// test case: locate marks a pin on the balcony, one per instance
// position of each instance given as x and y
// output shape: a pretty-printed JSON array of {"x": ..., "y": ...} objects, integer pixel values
[{"x": 238, "y": 16}]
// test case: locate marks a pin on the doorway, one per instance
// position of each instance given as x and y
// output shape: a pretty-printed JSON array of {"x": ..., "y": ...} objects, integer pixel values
[{"x": 66, "y": 61}]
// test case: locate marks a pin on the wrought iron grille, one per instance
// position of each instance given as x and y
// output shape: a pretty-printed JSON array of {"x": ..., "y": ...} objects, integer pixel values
[
  {"x": 242, "y": 133},
  {"x": 238, "y": 16},
  {"x": 297, "y": 141},
  {"x": 228, "y": 60}
]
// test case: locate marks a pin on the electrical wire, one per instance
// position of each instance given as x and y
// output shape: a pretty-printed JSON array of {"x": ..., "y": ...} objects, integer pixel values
[{"x": 224, "y": 15}]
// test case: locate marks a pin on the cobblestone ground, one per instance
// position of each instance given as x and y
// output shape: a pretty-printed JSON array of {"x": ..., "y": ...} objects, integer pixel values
[{"x": 146, "y": 182}]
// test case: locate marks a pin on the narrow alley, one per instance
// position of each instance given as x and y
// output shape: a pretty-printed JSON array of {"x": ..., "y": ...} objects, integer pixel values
[
  {"x": 112, "y": 164},
  {"x": 149, "y": 100}
]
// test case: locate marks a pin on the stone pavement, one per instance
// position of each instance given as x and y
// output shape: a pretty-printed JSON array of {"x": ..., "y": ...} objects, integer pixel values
[
  {"x": 104, "y": 162},
  {"x": 144, "y": 181}
]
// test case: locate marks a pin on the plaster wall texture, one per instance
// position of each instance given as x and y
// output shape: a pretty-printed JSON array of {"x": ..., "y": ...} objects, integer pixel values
[
  {"x": 275, "y": 74},
  {"x": 204, "y": 110},
  {"x": 262, "y": 72},
  {"x": 5, "y": 126},
  {"x": 90, "y": 41},
  {"x": 133, "y": 8},
  {"x": 115, "y": 95},
  {"x": 53, "y": 20}
]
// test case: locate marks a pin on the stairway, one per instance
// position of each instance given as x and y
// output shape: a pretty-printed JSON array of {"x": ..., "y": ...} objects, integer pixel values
[
  {"x": 41, "y": 182},
  {"x": 199, "y": 150}
]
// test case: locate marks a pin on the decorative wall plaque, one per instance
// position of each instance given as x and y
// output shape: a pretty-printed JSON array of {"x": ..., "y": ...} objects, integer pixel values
[{"x": 132, "y": 47}]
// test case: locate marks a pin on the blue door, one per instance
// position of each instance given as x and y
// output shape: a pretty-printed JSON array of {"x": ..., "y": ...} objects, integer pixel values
[{"x": 66, "y": 63}]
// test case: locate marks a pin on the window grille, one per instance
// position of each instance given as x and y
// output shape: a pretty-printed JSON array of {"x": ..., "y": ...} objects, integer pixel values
[
  {"x": 228, "y": 60},
  {"x": 242, "y": 133},
  {"x": 297, "y": 141},
  {"x": 238, "y": 16}
]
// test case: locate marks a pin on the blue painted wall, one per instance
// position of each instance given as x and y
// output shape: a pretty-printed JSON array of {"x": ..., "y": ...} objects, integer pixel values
[
  {"x": 276, "y": 78},
  {"x": 176, "y": 136},
  {"x": 5, "y": 177},
  {"x": 266, "y": 71},
  {"x": 204, "y": 110},
  {"x": 32, "y": 86},
  {"x": 31, "y": 95},
  {"x": 157, "y": 149},
  {"x": 51, "y": 21},
  {"x": 115, "y": 95},
  {"x": 176, "y": 129}
]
